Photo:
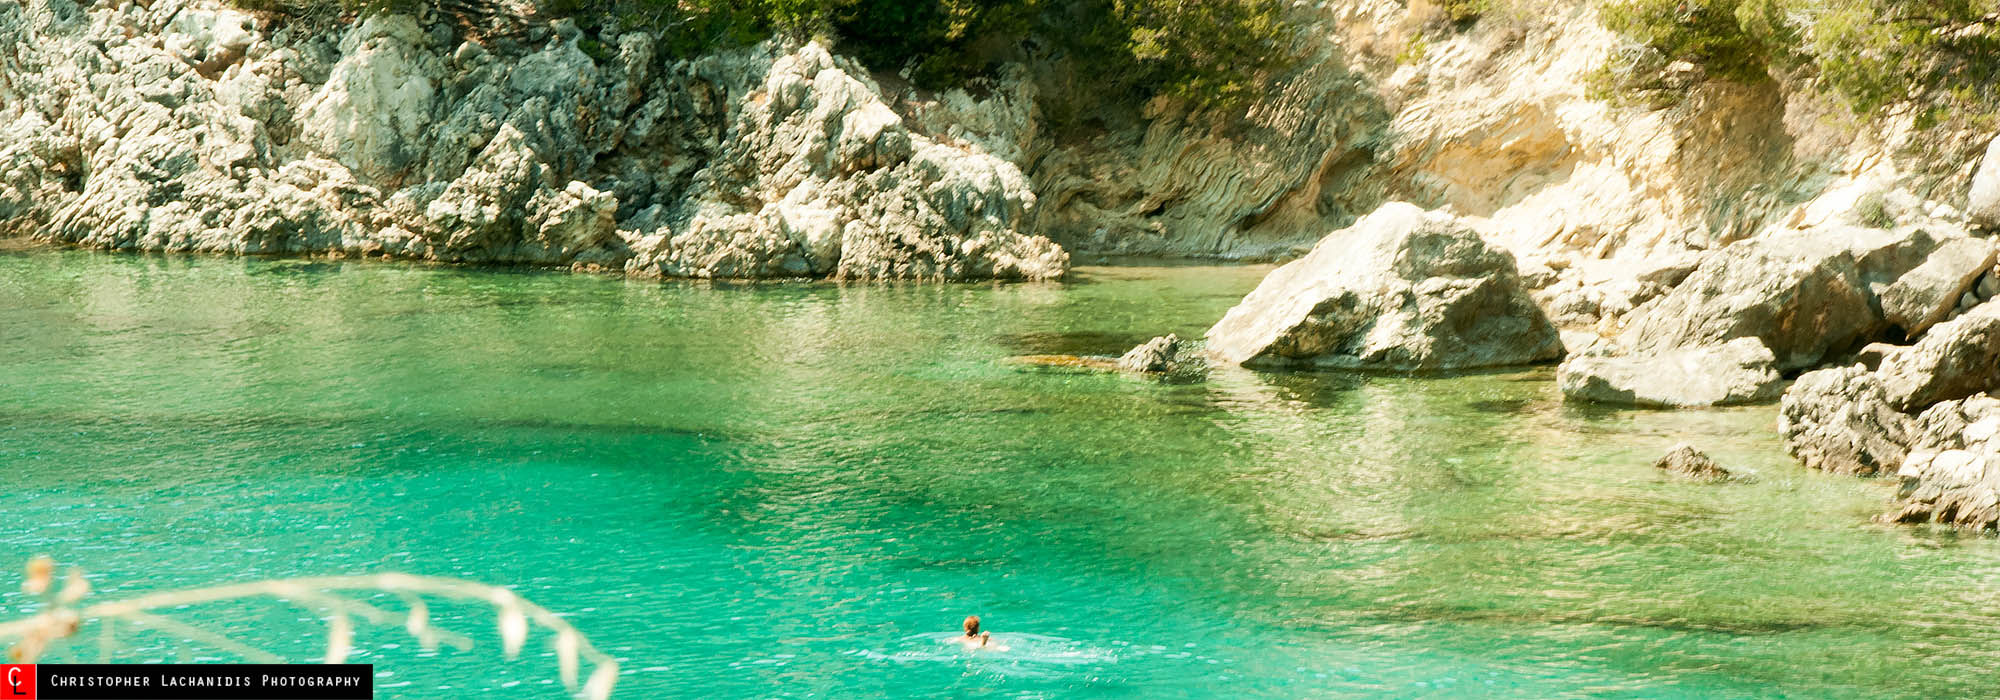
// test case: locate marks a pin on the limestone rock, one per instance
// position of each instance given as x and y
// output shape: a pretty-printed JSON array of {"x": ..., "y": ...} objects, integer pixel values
[
  {"x": 1952, "y": 487},
  {"x": 1955, "y": 479},
  {"x": 1737, "y": 372},
  {"x": 1156, "y": 355},
  {"x": 1839, "y": 420},
  {"x": 1955, "y": 359},
  {"x": 1947, "y": 425},
  {"x": 1982, "y": 203},
  {"x": 185, "y": 126},
  {"x": 1684, "y": 460},
  {"x": 1804, "y": 293},
  {"x": 1927, "y": 294},
  {"x": 1668, "y": 271},
  {"x": 1402, "y": 289}
]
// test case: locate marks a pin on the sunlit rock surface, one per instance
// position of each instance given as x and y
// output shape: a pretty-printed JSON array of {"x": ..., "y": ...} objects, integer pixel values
[
  {"x": 177, "y": 126},
  {"x": 1402, "y": 289}
]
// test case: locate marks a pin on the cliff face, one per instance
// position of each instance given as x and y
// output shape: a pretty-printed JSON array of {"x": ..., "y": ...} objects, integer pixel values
[
  {"x": 187, "y": 126},
  {"x": 183, "y": 125},
  {"x": 1492, "y": 120}
]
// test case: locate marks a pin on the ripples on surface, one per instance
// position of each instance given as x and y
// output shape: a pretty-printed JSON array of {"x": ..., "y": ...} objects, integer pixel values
[{"x": 795, "y": 489}]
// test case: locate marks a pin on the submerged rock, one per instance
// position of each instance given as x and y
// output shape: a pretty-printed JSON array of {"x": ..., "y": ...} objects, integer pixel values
[
  {"x": 1804, "y": 293},
  {"x": 1737, "y": 372},
  {"x": 1401, "y": 289},
  {"x": 1070, "y": 361},
  {"x": 1929, "y": 293},
  {"x": 1684, "y": 460},
  {"x": 1156, "y": 355},
  {"x": 1167, "y": 354}
]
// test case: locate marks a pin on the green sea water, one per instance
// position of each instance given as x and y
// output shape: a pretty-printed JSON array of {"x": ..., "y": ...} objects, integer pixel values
[{"x": 794, "y": 489}]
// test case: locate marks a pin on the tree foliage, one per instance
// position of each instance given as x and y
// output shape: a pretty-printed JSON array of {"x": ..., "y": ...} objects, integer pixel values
[
  {"x": 1207, "y": 50},
  {"x": 1936, "y": 55}
]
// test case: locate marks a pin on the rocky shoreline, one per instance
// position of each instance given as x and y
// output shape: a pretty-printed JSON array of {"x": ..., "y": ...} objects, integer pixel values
[
  {"x": 206, "y": 129},
  {"x": 1448, "y": 212},
  {"x": 1892, "y": 333}
]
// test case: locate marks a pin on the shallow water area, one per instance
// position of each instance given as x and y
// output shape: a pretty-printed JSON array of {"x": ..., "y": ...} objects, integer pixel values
[{"x": 798, "y": 489}]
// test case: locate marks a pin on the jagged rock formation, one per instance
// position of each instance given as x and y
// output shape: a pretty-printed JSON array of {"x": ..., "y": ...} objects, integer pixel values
[
  {"x": 1737, "y": 372},
  {"x": 1839, "y": 420},
  {"x": 1493, "y": 121},
  {"x": 1805, "y": 293},
  {"x": 1153, "y": 356},
  {"x": 1955, "y": 480},
  {"x": 1402, "y": 289},
  {"x": 1860, "y": 421},
  {"x": 1685, "y": 461},
  {"x": 178, "y": 126}
]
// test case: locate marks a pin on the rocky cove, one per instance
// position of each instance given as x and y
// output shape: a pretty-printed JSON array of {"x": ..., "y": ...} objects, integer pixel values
[
  {"x": 1448, "y": 199},
  {"x": 1693, "y": 256}
]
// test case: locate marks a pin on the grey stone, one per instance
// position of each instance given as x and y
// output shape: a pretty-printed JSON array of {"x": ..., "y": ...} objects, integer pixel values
[
  {"x": 1838, "y": 420},
  {"x": 1401, "y": 289},
  {"x": 1953, "y": 478},
  {"x": 1686, "y": 461},
  {"x": 1668, "y": 271},
  {"x": 1737, "y": 372},
  {"x": 1928, "y": 293},
  {"x": 1805, "y": 293},
  {"x": 1538, "y": 275},
  {"x": 210, "y": 132},
  {"x": 1153, "y": 356},
  {"x": 1575, "y": 307},
  {"x": 1957, "y": 358},
  {"x": 1982, "y": 199},
  {"x": 1872, "y": 355}
]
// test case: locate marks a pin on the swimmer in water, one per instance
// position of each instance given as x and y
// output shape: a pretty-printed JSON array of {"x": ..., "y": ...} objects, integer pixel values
[{"x": 974, "y": 639}]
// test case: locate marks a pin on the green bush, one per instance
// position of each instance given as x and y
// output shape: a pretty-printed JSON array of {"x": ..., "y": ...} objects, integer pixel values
[
  {"x": 939, "y": 41},
  {"x": 1931, "y": 55},
  {"x": 1935, "y": 54},
  {"x": 1730, "y": 39},
  {"x": 1209, "y": 51},
  {"x": 1464, "y": 11}
]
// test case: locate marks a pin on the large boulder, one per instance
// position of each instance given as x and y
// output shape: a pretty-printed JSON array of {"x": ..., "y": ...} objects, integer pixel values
[
  {"x": 1982, "y": 202},
  {"x": 1958, "y": 358},
  {"x": 1839, "y": 420},
  {"x": 1737, "y": 372},
  {"x": 1929, "y": 293},
  {"x": 1953, "y": 478},
  {"x": 1805, "y": 292},
  {"x": 1401, "y": 289}
]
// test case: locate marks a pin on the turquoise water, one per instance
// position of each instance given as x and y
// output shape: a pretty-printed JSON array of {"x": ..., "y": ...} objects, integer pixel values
[{"x": 794, "y": 489}]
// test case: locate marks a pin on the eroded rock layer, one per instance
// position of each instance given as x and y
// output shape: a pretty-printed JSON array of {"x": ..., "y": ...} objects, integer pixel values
[{"x": 182, "y": 126}]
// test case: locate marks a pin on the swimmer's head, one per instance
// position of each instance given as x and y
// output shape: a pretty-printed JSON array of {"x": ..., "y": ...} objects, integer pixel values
[{"x": 971, "y": 625}]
